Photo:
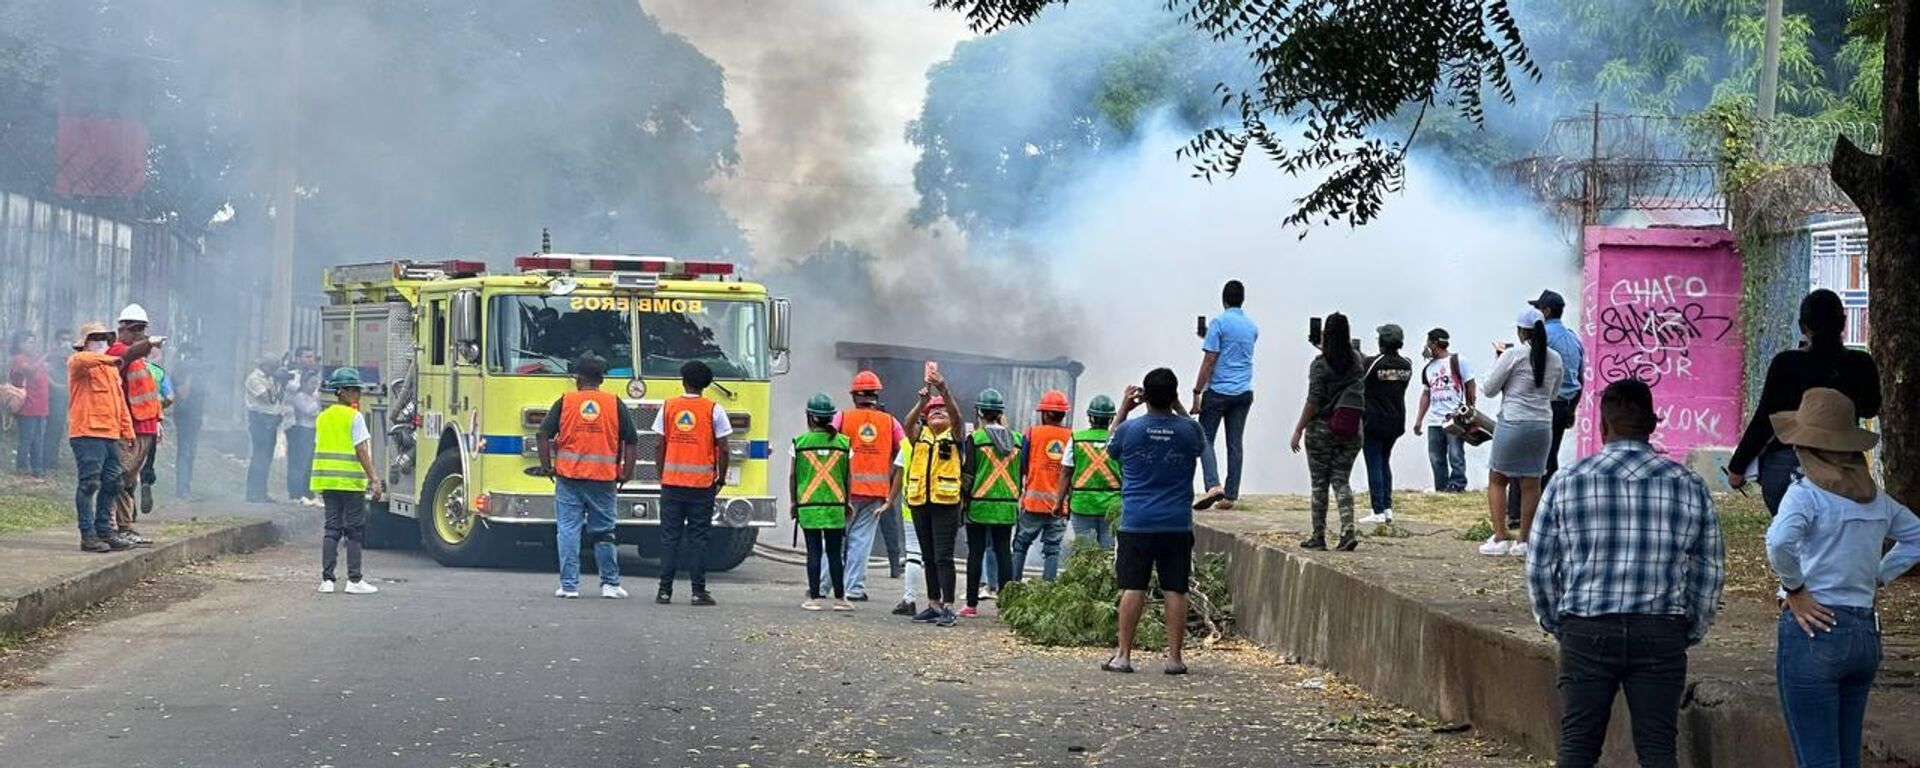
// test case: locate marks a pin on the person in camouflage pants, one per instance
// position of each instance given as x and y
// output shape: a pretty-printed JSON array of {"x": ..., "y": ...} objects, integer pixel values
[
  {"x": 1329, "y": 464},
  {"x": 1330, "y": 422}
]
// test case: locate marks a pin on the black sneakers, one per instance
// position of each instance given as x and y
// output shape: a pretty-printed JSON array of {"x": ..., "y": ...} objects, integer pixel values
[
  {"x": 903, "y": 609},
  {"x": 91, "y": 544},
  {"x": 702, "y": 599},
  {"x": 664, "y": 597},
  {"x": 1315, "y": 543}
]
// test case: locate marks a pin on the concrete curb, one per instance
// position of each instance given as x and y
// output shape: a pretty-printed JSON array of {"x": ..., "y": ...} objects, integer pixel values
[
  {"x": 48, "y": 601},
  {"x": 1419, "y": 656}
]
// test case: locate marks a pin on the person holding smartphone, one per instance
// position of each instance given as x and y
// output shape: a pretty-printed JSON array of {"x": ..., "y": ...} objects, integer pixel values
[{"x": 1223, "y": 393}]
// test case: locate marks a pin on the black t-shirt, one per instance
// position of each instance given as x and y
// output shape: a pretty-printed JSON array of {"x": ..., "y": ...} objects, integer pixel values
[
  {"x": 1790, "y": 375},
  {"x": 1386, "y": 384}
]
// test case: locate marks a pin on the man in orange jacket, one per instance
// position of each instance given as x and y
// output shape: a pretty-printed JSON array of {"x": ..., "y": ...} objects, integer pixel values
[
  {"x": 98, "y": 427},
  {"x": 1044, "y": 461},
  {"x": 877, "y": 464}
]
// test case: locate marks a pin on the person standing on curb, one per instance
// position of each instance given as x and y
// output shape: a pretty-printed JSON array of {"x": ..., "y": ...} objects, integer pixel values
[
  {"x": 1625, "y": 602},
  {"x": 1446, "y": 383},
  {"x": 1566, "y": 401},
  {"x": 1157, "y": 453},
  {"x": 28, "y": 371},
  {"x": 1825, "y": 547},
  {"x": 1525, "y": 379},
  {"x": 589, "y": 456},
  {"x": 992, "y": 495},
  {"x": 1223, "y": 392},
  {"x": 1385, "y": 419},
  {"x": 263, "y": 426},
  {"x": 876, "y": 437},
  {"x": 693, "y": 463},
  {"x": 1094, "y": 496},
  {"x": 98, "y": 429},
  {"x": 343, "y": 474},
  {"x": 933, "y": 492},
  {"x": 1330, "y": 422},
  {"x": 1044, "y": 464},
  {"x": 818, "y": 487},
  {"x": 143, "y": 402}
]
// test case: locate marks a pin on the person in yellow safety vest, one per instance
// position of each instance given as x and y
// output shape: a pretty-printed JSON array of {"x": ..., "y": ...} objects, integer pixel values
[
  {"x": 1093, "y": 496},
  {"x": 343, "y": 476},
  {"x": 933, "y": 491},
  {"x": 992, "y": 493},
  {"x": 587, "y": 444},
  {"x": 1044, "y": 463},
  {"x": 820, "y": 486}
]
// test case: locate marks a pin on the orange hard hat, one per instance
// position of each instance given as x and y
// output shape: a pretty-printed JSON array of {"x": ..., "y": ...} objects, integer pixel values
[
  {"x": 1054, "y": 401},
  {"x": 866, "y": 381}
]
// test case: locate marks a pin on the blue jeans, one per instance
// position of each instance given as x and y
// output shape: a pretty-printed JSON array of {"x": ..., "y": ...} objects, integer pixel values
[
  {"x": 592, "y": 500},
  {"x": 1777, "y": 468},
  {"x": 1823, "y": 683},
  {"x": 1447, "y": 453},
  {"x": 1050, "y": 530},
  {"x": 1378, "y": 451},
  {"x": 860, "y": 532},
  {"x": 1231, "y": 409},
  {"x": 98, "y": 459},
  {"x": 33, "y": 457},
  {"x": 1096, "y": 528}
]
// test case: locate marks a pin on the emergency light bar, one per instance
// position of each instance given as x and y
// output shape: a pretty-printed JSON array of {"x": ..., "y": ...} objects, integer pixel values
[
  {"x": 657, "y": 265},
  {"x": 381, "y": 271}
]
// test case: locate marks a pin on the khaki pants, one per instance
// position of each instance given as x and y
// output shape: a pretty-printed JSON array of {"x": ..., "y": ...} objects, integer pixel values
[{"x": 126, "y": 506}]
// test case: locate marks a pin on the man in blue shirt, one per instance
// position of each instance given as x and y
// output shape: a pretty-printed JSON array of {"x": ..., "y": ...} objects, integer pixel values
[
  {"x": 1156, "y": 454},
  {"x": 1223, "y": 392},
  {"x": 1566, "y": 401}
]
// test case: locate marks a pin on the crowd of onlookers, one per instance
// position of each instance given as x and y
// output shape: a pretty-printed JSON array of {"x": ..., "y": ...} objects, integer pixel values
[{"x": 282, "y": 397}]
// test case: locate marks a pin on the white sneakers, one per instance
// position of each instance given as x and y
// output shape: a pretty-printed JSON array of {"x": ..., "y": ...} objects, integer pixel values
[
  {"x": 1496, "y": 547},
  {"x": 361, "y": 588},
  {"x": 811, "y": 605},
  {"x": 569, "y": 594},
  {"x": 1519, "y": 549},
  {"x": 1379, "y": 518},
  {"x": 613, "y": 592},
  {"x": 326, "y": 587}
]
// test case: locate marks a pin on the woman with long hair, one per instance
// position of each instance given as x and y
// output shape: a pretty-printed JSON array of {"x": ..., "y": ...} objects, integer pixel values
[
  {"x": 1822, "y": 360},
  {"x": 1525, "y": 378},
  {"x": 27, "y": 369},
  {"x": 1330, "y": 423}
]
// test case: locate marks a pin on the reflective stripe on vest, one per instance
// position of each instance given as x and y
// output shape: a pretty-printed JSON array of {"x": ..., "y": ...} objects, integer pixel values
[
  {"x": 1093, "y": 469},
  {"x": 143, "y": 393},
  {"x": 992, "y": 472},
  {"x": 1046, "y": 451},
  {"x": 687, "y": 423},
  {"x": 820, "y": 469},
  {"x": 870, "y": 432},
  {"x": 336, "y": 463},
  {"x": 587, "y": 446}
]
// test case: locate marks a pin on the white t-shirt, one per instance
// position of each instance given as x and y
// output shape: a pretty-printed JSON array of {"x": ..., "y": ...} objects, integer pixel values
[
  {"x": 1512, "y": 381},
  {"x": 721, "y": 426},
  {"x": 1443, "y": 395},
  {"x": 360, "y": 432}
]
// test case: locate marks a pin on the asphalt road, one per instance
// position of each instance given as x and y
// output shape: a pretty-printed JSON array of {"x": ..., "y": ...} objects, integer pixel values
[{"x": 240, "y": 663}]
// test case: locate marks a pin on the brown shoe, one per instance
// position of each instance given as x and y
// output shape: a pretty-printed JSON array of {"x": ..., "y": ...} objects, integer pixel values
[
  {"x": 1224, "y": 505},
  {"x": 91, "y": 544}
]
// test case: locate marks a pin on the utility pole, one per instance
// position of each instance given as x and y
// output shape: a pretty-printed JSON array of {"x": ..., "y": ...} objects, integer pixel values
[
  {"x": 1770, "y": 65},
  {"x": 279, "y": 309}
]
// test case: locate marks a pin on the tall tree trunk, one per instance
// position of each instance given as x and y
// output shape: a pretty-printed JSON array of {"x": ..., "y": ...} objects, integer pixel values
[{"x": 1886, "y": 188}]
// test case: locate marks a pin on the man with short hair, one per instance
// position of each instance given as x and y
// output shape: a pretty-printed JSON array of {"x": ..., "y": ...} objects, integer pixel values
[
  {"x": 693, "y": 463},
  {"x": 263, "y": 388},
  {"x": 1223, "y": 392},
  {"x": 1446, "y": 383},
  {"x": 1625, "y": 600},
  {"x": 1157, "y": 454},
  {"x": 587, "y": 444}
]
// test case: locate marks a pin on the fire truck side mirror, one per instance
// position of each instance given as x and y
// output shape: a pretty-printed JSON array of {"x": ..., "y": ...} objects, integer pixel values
[
  {"x": 466, "y": 324},
  {"x": 778, "y": 328}
]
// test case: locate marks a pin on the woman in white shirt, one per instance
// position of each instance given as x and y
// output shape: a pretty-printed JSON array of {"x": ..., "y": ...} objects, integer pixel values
[{"x": 1525, "y": 379}]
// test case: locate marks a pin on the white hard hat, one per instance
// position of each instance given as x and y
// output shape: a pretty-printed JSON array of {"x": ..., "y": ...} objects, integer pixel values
[{"x": 134, "y": 313}]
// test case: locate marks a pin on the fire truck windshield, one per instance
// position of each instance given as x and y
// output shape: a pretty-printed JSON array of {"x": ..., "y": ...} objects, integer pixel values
[{"x": 543, "y": 335}]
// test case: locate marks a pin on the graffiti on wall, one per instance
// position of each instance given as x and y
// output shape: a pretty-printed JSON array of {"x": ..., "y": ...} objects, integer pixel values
[{"x": 1664, "y": 307}]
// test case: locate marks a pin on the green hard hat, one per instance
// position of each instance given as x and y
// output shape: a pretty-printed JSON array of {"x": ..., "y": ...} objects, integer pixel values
[
  {"x": 991, "y": 400},
  {"x": 1101, "y": 407},
  {"x": 344, "y": 378},
  {"x": 820, "y": 405}
]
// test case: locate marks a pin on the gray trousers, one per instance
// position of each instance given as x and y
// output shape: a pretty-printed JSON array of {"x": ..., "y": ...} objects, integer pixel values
[{"x": 346, "y": 518}]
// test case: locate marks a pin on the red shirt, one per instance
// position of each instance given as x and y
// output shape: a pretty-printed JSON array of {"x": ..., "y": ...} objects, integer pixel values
[
  {"x": 30, "y": 373},
  {"x": 140, "y": 426}
]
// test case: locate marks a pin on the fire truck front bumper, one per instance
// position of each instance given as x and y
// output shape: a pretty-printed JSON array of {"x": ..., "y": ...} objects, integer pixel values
[{"x": 633, "y": 509}]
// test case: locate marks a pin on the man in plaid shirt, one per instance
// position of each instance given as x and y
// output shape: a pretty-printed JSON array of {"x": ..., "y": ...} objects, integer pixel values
[{"x": 1625, "y": 570}]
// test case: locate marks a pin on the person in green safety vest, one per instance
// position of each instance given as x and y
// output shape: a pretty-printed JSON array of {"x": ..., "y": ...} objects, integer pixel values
[
  {"x": 992, "y": 494},
  {"x": 343, "y": 476},
  {"x": 818, "y": 486},
  {"x": 1093, "y": 490}
]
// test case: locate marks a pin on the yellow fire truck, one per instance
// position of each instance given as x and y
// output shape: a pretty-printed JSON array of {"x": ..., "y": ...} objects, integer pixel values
[{"x": 462, "y": 365}]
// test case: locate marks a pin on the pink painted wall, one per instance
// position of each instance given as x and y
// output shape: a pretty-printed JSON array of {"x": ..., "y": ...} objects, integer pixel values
[{"x": 1664, "y": 305}]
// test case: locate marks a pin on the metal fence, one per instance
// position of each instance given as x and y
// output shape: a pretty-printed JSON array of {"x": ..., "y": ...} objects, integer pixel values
[{"x": 63, "y": 267}]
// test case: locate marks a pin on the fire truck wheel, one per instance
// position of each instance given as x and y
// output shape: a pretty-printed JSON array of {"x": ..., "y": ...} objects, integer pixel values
[
  {"x": 448, "y": 528},
  {"x": 726, "y": 552}
]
